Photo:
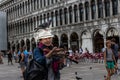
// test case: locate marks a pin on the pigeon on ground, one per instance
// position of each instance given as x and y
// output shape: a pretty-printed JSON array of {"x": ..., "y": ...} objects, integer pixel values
[
  {"x": 77, "y": 78},
  {"x": 90, "y": 68}
]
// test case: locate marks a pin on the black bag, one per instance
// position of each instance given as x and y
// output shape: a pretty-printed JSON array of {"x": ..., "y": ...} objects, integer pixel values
[{"x": 35, "y": 71}]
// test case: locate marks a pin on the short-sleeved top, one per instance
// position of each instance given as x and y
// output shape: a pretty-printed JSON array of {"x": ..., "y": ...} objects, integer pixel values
[{"x": 109, "y": 55}]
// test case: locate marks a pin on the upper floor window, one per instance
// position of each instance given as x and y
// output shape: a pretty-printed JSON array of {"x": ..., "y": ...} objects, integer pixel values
[
  {"x": 115, "y": 6},
  {"x": 56, "y": 17},
  {"x": 107, "y": 8},
  {"x": 65, "y": 15},
  {"x": 75, "y": 13},
  {"x": 100, "y": 9},
  {"x": 93, "y": 9},
  {"x": 52, "y": 15},
  {"x": 87, "y": 10},
  {"x": 81, "y": 12},
  {"x": 61, "y": 12},
  {"x": 70, "y": 14}
]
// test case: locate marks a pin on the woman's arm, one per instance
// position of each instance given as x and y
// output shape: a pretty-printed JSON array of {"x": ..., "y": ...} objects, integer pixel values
[
  {"x": 49, "y": 54},
  {"x": 114, "y": 59},
  {"x": 22, "y": 57},
  {"x": 104, "y": 54}
]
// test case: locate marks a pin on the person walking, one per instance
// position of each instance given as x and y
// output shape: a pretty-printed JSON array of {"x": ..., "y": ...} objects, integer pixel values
[
  {"x": 22, "y": 61},
  {"x": 10, "y": 57},
  {"x": 26, "y": 55},
  {"x": 109, "y": 60},
  {"x": 1, "y": 57},
  {"x": 115, "y": 49}
]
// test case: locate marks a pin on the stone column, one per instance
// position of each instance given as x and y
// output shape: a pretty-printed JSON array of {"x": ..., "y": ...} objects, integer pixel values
[
  {"x": 78, "y": 14},
  {"x": 79, "y": 41},
  {"x": 59, "y": 38},
  {"x": 104, "y": 37},
  {"x": 118, "y": 6},
  {"x": 73, "y": 17},
  {"x": 111, "y": 10},
  {"x": 68, "y": 16},
  {"x": 96, "y": 10},
  {"x": 69, "y": 40},
  {"x": 103, "y": 8}
]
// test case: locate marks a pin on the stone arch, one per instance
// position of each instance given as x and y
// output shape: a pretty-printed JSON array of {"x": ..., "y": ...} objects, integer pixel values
[
  {"x": 33, "y": 43},
  {"x": 64, "y": 40},
  {"x": 98, "y": 40},
  {"x": 55, "y": 40},
  {"x": 22, "y": 43},
  {"x": 28, "y": 44},
  {"x": 112, "y": 33},
  {"x": 86, "y": 41},
  {"x": 74, "y": 41}
]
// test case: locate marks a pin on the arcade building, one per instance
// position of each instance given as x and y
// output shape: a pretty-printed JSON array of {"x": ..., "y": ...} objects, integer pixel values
[{"x": 76, "y": 23}]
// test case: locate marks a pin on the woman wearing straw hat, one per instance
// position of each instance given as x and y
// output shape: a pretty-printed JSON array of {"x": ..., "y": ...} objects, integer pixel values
[{"x": 45, "y": 44}]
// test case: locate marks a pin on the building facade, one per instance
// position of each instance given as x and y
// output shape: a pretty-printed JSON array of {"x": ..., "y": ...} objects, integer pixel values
[{"x": 76, "y": 23}]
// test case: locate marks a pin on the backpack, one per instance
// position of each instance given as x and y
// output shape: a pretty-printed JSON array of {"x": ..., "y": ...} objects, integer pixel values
[{"x": 35, "y": 71}]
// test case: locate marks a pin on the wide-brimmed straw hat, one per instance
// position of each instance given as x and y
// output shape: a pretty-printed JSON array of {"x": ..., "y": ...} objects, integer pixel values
[{"x": 45, "y": 34}]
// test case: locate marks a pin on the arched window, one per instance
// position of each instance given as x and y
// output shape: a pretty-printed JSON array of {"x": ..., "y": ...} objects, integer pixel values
[
  {"x": 52, "y": 1},
  {"x": 70, "y": 14},
  {"x": 75, "y": 13},
  {"x": 52, "y": 15},
  {"x": 56, "y": 17},
  {"x": 56, "y": 1},
  {"x": 23, "y": 26},
  {"x": 100, "y": 9},
  {"x": 86, "y": 10},
  {"x": 107, "y": 8},
  {"x": 66, "y": 16},
  {"x": 48, "y": 2},
  {"x": 18, "y": 10},
  {"x": 60, "y": 13},
  {"x": 34, "y": 4},
  {"x": 40, "y": 19},
  {"x": 48, "y": 16},
  {"x": 44, "y": 18},
  {"x": 26, "y": 10},
  {"x": 29, "y": 5},
  {"x": 81, "y": 12},
  {"x": 38, "y": 4},
  {"x": 41, "y": 4},
  {"x": 115, "y": 7},
  {"x": 23, "y": 7},
  {"x": 93, "y": 9},
  {"x": 44, "y": 1}
]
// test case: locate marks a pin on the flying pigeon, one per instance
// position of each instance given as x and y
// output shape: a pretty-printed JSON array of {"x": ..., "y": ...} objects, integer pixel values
[{"x": 43, "y": 26}]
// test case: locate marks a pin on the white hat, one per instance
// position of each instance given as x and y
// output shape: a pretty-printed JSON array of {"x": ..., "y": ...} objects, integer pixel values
[{"x": 44, "y": 34}]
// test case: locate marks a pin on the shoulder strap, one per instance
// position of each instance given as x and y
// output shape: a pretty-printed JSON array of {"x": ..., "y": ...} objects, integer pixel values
[{"x": 106, "y": 52}]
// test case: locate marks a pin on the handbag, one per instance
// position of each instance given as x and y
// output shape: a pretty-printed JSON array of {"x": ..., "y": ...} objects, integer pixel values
[{"x": 35, "y": 71}]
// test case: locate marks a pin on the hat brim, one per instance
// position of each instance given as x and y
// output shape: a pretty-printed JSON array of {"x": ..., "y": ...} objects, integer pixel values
[{"x": 43, "y": 37}]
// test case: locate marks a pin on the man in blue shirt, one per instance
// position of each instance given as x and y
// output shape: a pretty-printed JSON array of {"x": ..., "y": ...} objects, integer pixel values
[{"x": 26, "y": 55}]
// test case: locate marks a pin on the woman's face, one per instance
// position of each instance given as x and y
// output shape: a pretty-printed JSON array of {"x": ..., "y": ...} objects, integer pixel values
[
  {"x": 47, "y": 41},
  {"x": 109, "y": 44}
]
